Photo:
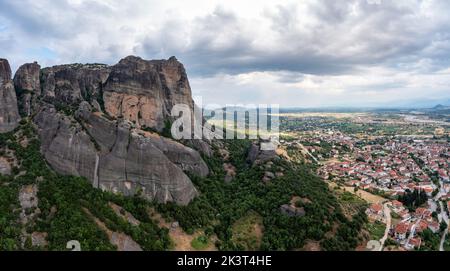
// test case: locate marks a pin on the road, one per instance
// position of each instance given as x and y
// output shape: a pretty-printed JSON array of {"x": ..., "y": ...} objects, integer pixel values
[
  {"x": 308, "y": 153},
  {"x": 444, "y": 235},
  {"x": 413, "y": 231},
  {"x": 443, "y": 216},
  {"x": 387, "y": 214},
  {"x": 441, "y": 246}
]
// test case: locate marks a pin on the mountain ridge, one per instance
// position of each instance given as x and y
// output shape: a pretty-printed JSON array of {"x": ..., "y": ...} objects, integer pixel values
[{"x": 101, "y": 122}]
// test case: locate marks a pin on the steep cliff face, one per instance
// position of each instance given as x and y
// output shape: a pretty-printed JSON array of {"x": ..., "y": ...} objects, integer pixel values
[
  {"x": 72, "y": 84},
  {"x": 65, "y": 144},
  {"x": 144, "y": 92},
  {"x": 9, "y": 113},
  {"x": 90, "y": 120},
  {"x": 28, "y": 87},
  {"x": 114, "y": 157}
]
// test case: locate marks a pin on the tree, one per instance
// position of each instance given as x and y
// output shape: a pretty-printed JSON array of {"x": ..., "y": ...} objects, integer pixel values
[
  {"x": 435, "y": 192},
  {"x": 443, "y": 226}
]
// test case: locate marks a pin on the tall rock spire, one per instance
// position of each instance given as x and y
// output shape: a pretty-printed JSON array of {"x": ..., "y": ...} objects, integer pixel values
[
  {"x": 28, "y": 87},
  {"x": 9, "y": 112}
]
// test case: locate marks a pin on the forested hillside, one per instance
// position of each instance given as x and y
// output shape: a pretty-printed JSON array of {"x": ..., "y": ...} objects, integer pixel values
[
  {"x": 65, "y": 205},
  {"x": 69, "y": 208},
  {"x": 221, "y": 204}
]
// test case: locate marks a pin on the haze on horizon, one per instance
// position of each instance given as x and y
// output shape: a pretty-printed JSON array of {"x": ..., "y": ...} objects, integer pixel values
[{"x": 361, "y": 53}]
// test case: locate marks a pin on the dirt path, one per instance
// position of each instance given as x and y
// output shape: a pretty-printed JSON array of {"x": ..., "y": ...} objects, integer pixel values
[{"x": 387, "y": 213}]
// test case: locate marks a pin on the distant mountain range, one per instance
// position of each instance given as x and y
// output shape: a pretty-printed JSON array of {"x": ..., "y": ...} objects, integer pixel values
[
  {"x": 441, "y": 107},
  {"x": 349, "y": 109}
]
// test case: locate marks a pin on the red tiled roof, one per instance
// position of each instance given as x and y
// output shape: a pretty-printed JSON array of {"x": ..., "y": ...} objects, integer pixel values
[
  {"x": 404, "y": 214},
  {"x": 415, "y": 242},
  {"x": 423, "y": 225},
  {"x": 420, "y": 211},
  {"x": 401, "y": 228},
  {"x": 376, "y": 207},
  {"x": 434, "y": 225}
]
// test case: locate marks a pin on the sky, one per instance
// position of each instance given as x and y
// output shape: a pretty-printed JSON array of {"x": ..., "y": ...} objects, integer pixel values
[{"x": 358, "y": 53}]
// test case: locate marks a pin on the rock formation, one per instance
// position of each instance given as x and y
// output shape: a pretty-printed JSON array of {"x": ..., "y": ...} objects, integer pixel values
[
  {"x": 9, "y": 113},
  {"x": 28, "y": 87},
  {"x": 72, "y": 84},
  {"x": 257, "y": 156},
  {"x": 144, "y": 92},
  {"x": 95, "y": 121}
]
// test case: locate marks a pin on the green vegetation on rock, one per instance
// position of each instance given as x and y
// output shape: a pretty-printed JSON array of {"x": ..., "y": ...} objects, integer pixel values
[{"x": 63, "y": 201}]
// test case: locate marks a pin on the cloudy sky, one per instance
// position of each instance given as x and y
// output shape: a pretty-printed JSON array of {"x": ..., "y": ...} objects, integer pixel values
[{"x": 293, "y": 53}]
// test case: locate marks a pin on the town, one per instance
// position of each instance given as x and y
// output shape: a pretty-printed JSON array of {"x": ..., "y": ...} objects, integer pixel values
[{"x": 406, "y": 173}]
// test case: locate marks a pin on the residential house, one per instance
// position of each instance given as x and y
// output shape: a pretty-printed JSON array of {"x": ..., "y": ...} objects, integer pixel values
[
  {"x": 397, "y": 206},
  {"x": 375, "y": 212},
  {"x": 413, "y": 243},
  {"x": 434, "y": 226},
  {"x": 401, "y": 231}
]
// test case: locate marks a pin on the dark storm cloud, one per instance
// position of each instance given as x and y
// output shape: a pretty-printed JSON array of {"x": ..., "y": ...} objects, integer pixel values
[
  {"x": 342, "y": 37},
  {"x": 239, "y": 54},
  {"x": 332, "y": 37}
]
